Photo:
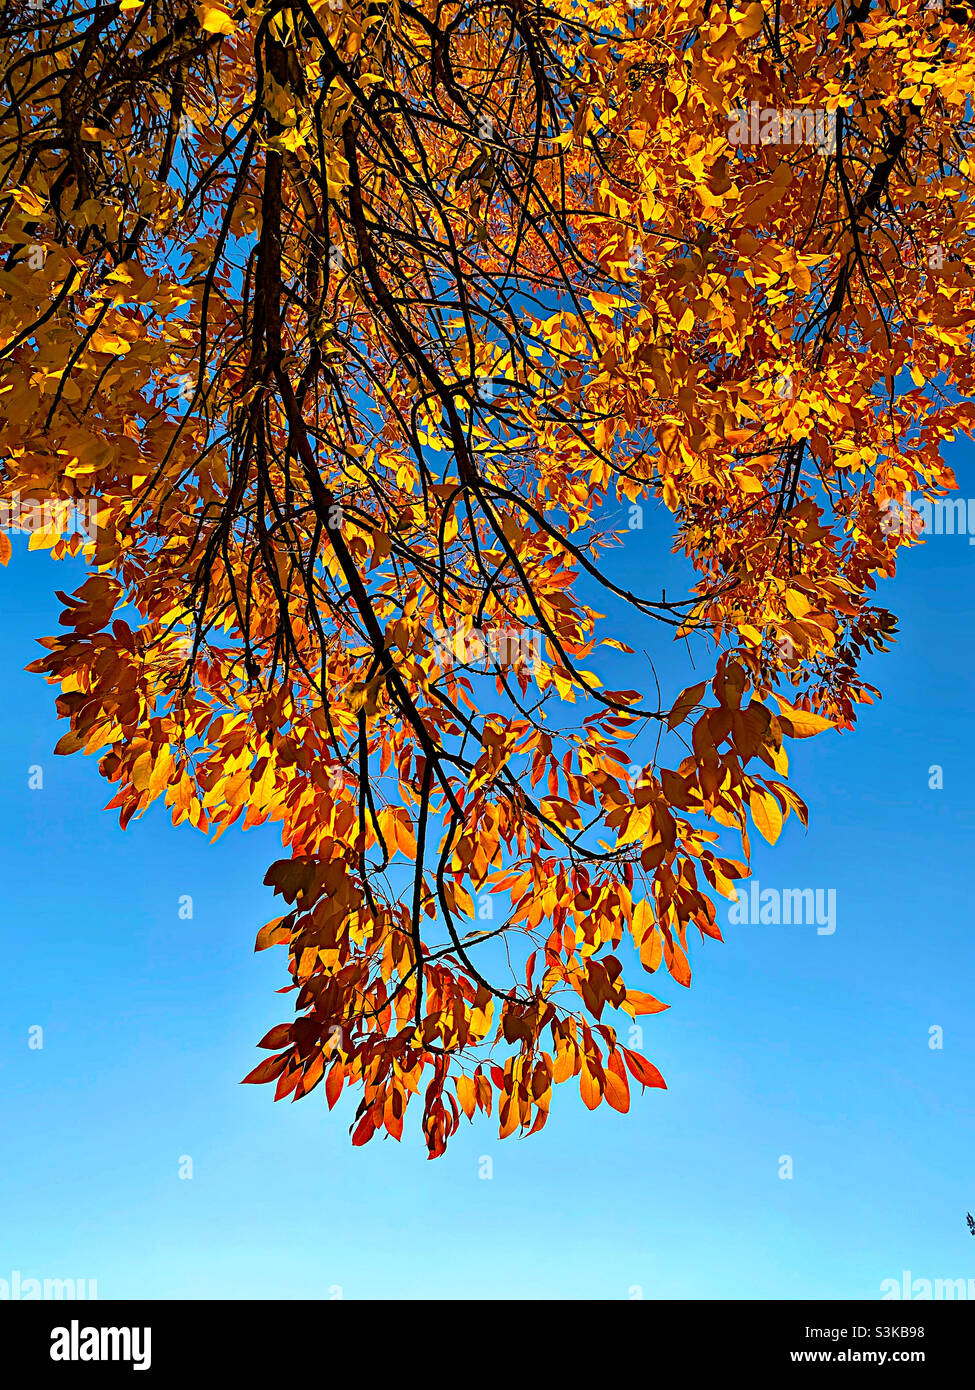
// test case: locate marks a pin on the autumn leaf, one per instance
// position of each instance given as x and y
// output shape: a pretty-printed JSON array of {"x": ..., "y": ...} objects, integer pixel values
[
  {"x": 751, "y": 22},
  {"x": 800, "y": 723},
  {"x": 291, "y": 877},
  {"x": 685, "y": 702},
  {"x": 767, "y": 814},
  {"x": 267, "y": 1070},
  {"x": 214, "y": 19},
  {"x": 645, "y": 1072}
]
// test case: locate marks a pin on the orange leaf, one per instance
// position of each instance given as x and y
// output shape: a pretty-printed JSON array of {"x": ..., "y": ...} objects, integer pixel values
[
  {"x": 684, "y": 703},
  {"x": 333, "y": 1083},
  {"x": 617, "y": 1086},
  {"x": 267, "y": 1070},
  {"x": 589, "y": 1088}
]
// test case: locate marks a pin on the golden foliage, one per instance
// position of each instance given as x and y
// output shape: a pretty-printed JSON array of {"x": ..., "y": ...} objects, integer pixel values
[{"x": 352, "y": 322}]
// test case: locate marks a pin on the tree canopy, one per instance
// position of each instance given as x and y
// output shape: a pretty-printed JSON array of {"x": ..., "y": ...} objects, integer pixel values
[{"x": 363, "y": 329}]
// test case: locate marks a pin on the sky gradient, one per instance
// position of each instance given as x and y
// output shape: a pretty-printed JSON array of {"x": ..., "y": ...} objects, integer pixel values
[{"x": 788, "y": 1043}]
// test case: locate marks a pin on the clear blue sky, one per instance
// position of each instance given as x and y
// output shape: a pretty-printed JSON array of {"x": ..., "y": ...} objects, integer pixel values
[{"x": 788, "y": 1043}]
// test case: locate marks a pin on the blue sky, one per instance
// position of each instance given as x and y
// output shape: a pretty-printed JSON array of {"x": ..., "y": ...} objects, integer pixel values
[{"x": 788, "y": 1043}]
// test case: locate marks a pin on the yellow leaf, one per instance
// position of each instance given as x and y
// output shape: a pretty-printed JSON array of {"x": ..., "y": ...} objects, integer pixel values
[
  {"x": 751, "y": 22},
  {"x": 214, "y": 20},
  {"x": 28, "y": 200},
  {"x": 43, "y": 540},
  {"x": 747, "y": 481},
  {"x": 103, "y": 341},
  {"x": 767, "y": 815},
  {"x": 799, "y": 723},
  {"x": 797, "y": 603},
  {"x": 643, "y": 921}
]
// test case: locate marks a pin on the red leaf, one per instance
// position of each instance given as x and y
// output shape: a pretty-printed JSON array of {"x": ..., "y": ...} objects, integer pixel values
[
  {"x": 645, "y": 1072},
  {"x": 287, "y": 1081},
  {"x": 279, "y": 1036},
  {"x": 364, "y": 1130},
  {"x": 267, "y": 1070}
]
